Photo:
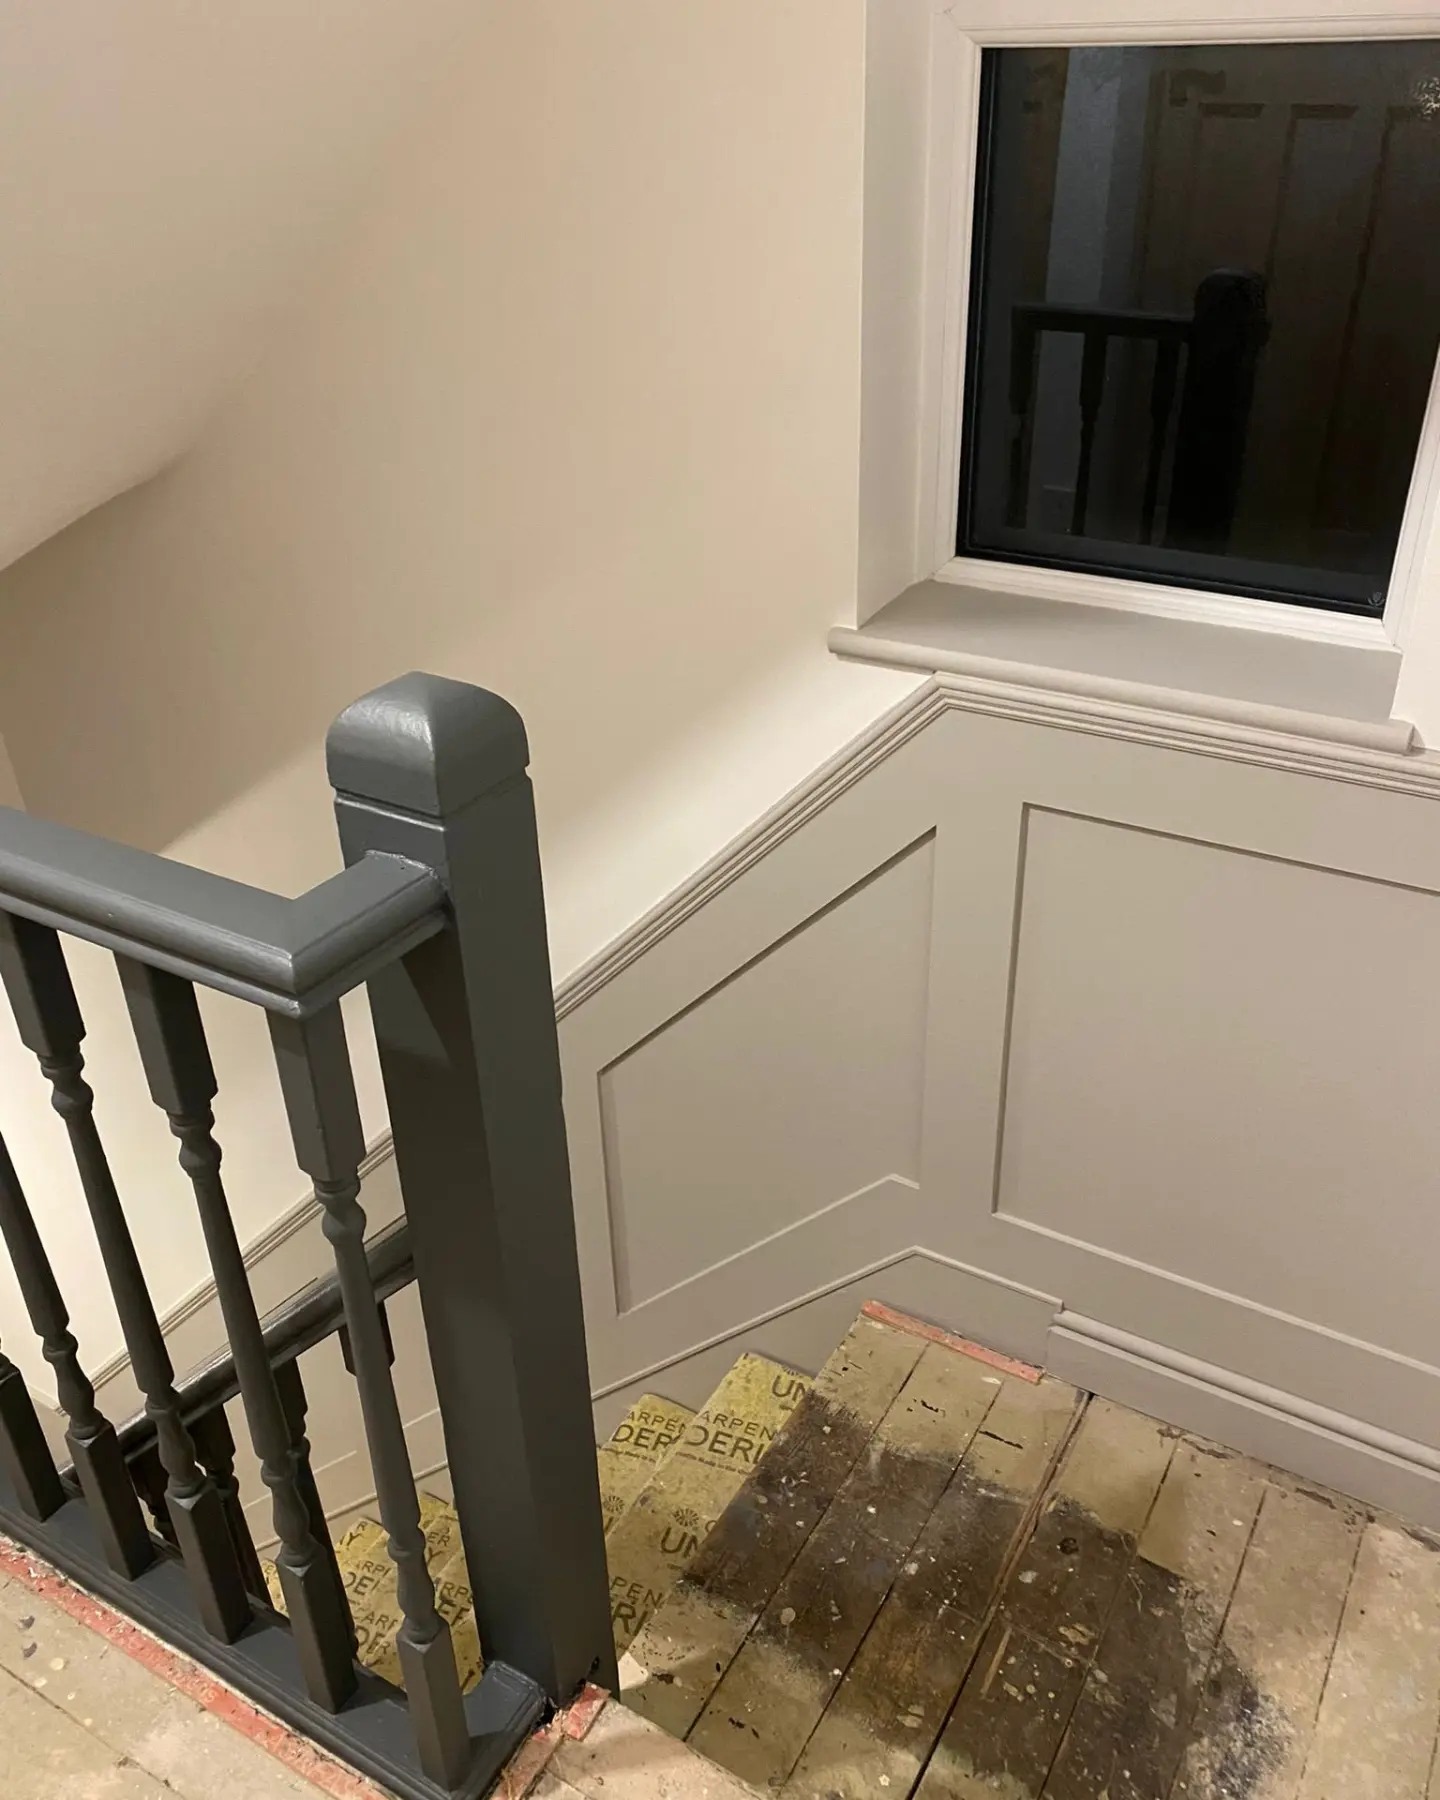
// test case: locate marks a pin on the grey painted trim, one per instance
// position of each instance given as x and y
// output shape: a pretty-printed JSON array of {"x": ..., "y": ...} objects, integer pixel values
[
  {"x": 803, "y": 1332},
  {"x": 1021, "y": 1307},
  {"x": 346, "y": 1505},
  {"x": 1140, "y": 716},
  {"x": 290, "y": 956},
  {"x": 1416, "y": 772},
  {"x": 1288, "y": 743},
  {"x": 944, "y": 782},
  {"x": 1315, "y": 1441},
  {"x": 1245, "y": 1388},
  {"x": 851, "y": 764},
  {"x": 1331, "y": 1447},
  {"x": 468, "y": 1049},
  {"x": 1204, "y": 712}
]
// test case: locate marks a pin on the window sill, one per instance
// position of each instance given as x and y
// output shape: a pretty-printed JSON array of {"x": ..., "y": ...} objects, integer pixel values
[{"x": 1338, "y": 693}]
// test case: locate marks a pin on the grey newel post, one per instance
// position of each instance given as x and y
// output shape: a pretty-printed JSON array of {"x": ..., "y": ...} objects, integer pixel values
[{"x": 434, "y": 770}]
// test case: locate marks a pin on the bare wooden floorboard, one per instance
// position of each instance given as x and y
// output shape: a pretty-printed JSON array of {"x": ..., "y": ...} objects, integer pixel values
[
  {"x": 880, "y": 1726},
  {"x": 1251, "y": 1735},
  {"x": 946, "y": 1583},
  {"x": 1375, "y": 1734},
  {"x": 622, "y": 1757},
  {"x": 1072, "y": 1567},
  {"x": 677, "y": 1660},
  {"x": 775, "y": 1691},
  {"x": 1131, "y": 1721},
  {"x": 1011, "y": 1716}
]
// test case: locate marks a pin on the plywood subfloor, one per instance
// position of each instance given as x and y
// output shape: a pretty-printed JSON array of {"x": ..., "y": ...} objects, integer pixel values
[{"x": 947, "y": 1581}]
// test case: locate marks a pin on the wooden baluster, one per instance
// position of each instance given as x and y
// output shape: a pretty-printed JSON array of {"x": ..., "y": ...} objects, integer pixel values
[
  {"x": 291, "y": 1388},
  {"x": 344, "y": 1336},
  {"x": 1092, "y": 390},
  {"x": 215, "y": 1446},
  {"x": 1024, "y": 354},
  {"x": 176, "y": 1057},
  {"x": 147, "y": 1474},
  {"x": 1162, "y": 399},
  {"x": 114, "y": 1509},
  {"x": 24, "y": 1455},
  {"x": 32, "y": 964},
  {"x": 319, "y": 1090}
]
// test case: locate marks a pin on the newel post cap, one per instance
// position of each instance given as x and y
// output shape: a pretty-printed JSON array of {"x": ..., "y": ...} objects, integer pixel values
[{"x": 425, "y": 744}]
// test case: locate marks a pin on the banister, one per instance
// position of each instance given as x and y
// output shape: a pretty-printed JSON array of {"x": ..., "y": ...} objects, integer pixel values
[
  {"x": 291, "y": 956},
  {"x": 1117, "y": 321},
  {"x": 296, "y": 1325},
  {"x": 440, "y": 916}
]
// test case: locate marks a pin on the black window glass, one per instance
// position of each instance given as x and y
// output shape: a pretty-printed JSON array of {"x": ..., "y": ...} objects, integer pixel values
[{"x": 1205, "y": 311}]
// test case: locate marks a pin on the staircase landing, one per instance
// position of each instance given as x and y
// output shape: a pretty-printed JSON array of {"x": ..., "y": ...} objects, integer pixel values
[
  {"x": 953, "y": 1580},
  {"x": 933, "y": 1572},
  {"x": 93, "y": 1709}
]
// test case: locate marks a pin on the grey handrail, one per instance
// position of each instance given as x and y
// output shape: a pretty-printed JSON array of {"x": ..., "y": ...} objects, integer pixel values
[{"x": 289, "y": 956}]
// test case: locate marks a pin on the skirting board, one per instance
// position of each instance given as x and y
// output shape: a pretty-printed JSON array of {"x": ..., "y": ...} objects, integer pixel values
[
  {"x": 991, "y": 1311},
  {"x": 1377, "y": 1468}
]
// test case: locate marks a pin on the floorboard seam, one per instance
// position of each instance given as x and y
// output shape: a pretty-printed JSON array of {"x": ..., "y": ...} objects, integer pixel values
[
  {"x": 1330, "y": 1660},
  {"x": 854, "y": 1655},
  {"x": 1090, "y": 1660},
  {"x": 1430, "y": 1786},
  {"x": 1216, "y": 1647},
  {"x": 1023, "y": 1534}
]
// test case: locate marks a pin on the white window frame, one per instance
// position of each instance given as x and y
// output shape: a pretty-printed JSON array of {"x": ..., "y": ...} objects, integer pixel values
[{"x": 915, "y": 45}]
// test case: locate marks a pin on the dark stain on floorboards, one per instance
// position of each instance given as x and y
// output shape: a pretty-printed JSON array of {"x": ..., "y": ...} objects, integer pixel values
[
  {"x": 1090, "y": 1682},
  {"x": 1068, "y": 1576}
]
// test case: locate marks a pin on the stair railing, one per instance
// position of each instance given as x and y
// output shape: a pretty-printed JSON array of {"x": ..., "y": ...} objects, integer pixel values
[
  {"x": 1207, "y": 415},
  {"x": 439, "y": 914}
]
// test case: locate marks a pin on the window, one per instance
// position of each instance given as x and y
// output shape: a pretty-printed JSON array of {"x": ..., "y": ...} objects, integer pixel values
[{"x": 1205, "y": 311}]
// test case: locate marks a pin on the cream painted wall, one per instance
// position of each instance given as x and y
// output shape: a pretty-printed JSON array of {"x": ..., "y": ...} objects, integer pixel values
[
  {"x": 577, "y": 418},
  {"x": 169, "y": 174},
  {"x": 9, "y": 786},
  {"x": 140, "y": 1148}
]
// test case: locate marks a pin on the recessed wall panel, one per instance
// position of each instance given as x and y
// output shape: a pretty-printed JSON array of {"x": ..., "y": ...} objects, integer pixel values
[{"x": 789, "y": 1087}]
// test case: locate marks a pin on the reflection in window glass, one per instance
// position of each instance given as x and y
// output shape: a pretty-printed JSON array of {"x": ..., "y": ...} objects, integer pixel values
[{"x": 1205, "y": 312}]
